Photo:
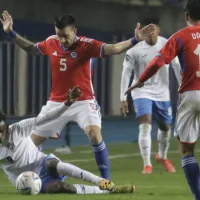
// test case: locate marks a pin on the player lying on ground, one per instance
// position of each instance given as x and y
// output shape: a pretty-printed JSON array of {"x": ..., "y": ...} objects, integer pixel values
[
  {"x": 185, "y": 44},
  {"x": 147, "y": 101},
  {"x": 70, "y": 57},
  {"x": 19, "y": 154}
]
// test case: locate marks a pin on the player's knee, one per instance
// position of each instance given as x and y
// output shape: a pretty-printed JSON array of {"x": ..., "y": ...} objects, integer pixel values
[
  {"x": 51, "y": 166},
  {"x": 94, "y": 134},
  {"x": 164, "y": 127},
  {"x": 187, "y": 149},
  {"x": 145, "y": 119}
]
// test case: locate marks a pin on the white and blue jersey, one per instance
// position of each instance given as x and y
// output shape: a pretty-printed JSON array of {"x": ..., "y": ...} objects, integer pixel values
[
  {"x": 154, "y": 95},
  {"x": 20, "y": 154}
]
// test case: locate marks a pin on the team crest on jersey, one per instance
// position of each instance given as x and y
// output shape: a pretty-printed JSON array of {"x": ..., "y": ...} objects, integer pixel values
[{"x": 73, "y": 54}]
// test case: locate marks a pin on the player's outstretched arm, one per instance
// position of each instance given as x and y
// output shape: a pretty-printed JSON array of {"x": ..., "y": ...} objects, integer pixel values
[
  {"x": 25, "y": 44},
  {"x": 149, "y": 71},
  {"x": 140, "y": 34},
  {"x": 72, "y": 96}
]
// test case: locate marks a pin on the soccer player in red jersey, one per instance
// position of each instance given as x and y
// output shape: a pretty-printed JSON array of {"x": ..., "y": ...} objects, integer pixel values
[
  {"x": 186, "y": 45},
  {"x": 70, "y": 57}
]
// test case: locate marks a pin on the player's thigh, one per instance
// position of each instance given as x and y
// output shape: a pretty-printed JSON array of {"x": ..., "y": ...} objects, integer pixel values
[
  {"x": 143, "y": 110},
  {"x": 187, "y": 127},
  {"x": 88, "y": 114},
  {"x": 162, "y": 111},
  {"x": 48, "y": 174}
]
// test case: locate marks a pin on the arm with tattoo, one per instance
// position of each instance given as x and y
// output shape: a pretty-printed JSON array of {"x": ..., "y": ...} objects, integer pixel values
[{"x": 25, "y": 44}]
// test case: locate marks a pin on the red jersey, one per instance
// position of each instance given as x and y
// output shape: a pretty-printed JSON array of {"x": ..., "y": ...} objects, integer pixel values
[
  {"x": 71, "y": 67},
  {"x": 186, "y": 45}
]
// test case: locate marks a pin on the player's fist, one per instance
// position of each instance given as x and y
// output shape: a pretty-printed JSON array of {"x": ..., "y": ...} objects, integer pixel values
[
  {"x": 7, "y": 21},
  {"x": 73, "y": 94},
  {"x": 124, "y": 108},
  {"x": 147, "y": 31}
]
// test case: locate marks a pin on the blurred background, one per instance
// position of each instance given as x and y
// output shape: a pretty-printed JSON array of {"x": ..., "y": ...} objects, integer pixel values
[{"x": 25, "y": 81}]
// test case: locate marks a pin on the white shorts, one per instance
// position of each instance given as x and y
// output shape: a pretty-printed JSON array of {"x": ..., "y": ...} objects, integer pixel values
[
  {"x": 84, "y": 113},
  {"x": 187, "y": 127}
]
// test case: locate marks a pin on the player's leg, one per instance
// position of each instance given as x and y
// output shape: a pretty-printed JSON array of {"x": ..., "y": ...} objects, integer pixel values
[
  {"x": 163, "y": 114},
  {"x": 143, "y": 110},
  {"x": 53, "y": 167},
  {"x": 188, "y": 130},
  {"x": 57, "y": 186},
  {"x": 89, "y": 119},
  {"x": 66, "y": 148}
]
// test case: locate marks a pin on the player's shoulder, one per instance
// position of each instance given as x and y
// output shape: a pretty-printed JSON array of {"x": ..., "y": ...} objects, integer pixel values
[
  {"x": 84, "y": 40},
  {"x": 162, "y": 39},
  {"x": 138, "y": 46},
  {"x": 53, "y": 39},
  {"x": 179, "y": 34}
]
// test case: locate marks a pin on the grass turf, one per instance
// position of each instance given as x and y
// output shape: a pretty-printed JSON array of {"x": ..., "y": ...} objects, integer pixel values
[{"x": 126, "y": 166}]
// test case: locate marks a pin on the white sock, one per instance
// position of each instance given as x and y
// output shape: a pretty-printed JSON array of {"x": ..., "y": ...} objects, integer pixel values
[
  {"x": 145, "y": 143},
  {"x": 76, "y": 172},
  {"x": 86, "y": 189},
  {"x": 163, "y": 138}
]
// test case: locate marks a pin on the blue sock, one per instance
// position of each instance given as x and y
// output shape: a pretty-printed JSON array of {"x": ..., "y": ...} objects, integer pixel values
[
  {"x": 101, "y": 156},
  {"x": 192, "y": 174}
]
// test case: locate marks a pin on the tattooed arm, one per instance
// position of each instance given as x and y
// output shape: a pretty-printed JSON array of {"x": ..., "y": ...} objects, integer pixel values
[{"x": 25, "y": 44}]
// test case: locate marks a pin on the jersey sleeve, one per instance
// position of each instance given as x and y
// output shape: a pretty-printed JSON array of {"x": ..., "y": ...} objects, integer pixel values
[
  {"x": 51, "y": 115},
  {"x": 94, "y": 48},
  {"x": 170, "y": 49},
  {"x": 128, "y": 67},
  {"x": 43, "y": 47},
  {"x": 177, "y": 69},
  {"x": 24, "y": 127}
]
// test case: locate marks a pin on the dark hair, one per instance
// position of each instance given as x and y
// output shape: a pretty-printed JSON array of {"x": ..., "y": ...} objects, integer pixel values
[
  {"x": 192, "y": 8},
  {"x": 150, "y": 21},
  {"x": 2, "y": 116},
  {"x": 64, "y": 20}
]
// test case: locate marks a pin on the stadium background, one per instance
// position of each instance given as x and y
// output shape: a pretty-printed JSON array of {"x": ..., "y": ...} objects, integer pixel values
[{"x": 25, "y": 80}]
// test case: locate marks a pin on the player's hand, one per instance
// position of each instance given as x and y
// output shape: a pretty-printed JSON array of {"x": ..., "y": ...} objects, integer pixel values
[
  {"x": 73, "y": 94},
  {"x": 7, "y": 21},
  {"x": 137, "y": 84},
  {"x": 147, "y": 31},
  {"x": 124, "y": 108}
]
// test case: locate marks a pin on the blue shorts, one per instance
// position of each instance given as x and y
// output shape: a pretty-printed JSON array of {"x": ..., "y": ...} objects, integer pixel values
[
  {"x": 161, "y": 110},
  {"x": 45, "y": 178}
]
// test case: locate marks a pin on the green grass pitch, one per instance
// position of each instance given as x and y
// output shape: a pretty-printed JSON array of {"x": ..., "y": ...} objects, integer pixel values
[{"x": 126, "y": 166}]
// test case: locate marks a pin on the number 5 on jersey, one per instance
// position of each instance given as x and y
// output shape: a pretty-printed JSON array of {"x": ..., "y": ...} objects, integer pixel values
[{"x": 63, "y": 64}]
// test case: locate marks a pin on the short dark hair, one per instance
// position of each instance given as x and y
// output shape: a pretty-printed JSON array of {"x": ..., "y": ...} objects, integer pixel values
[
  {"x": 147, "y": 21},
  {"x": 64, "y": 20},
  {"x": 192, "y": 8},
  {"x": 2, "y": 116}
]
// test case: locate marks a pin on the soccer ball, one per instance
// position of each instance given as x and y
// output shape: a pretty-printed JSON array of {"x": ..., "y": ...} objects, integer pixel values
[{"x": 28, "y": 183}]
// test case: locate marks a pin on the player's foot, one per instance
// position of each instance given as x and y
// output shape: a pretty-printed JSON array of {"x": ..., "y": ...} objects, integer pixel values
[
  {"x": 147, "y": 170},
  {"x": 123, "y": 189},
  {"x": 106, "y": 185},
  {"x": 64, "y": 150},
  {"x": 167, "y": 164}
]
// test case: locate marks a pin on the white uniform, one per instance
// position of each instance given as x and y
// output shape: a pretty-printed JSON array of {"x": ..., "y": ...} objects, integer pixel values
[
  {"x": 136, "y": 59},
  {"x": 21, "y": 154},
  {"x": 77, "y": 112}
]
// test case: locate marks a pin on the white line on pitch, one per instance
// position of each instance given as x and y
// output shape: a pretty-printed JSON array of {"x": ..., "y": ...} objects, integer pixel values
[{"x": 122, "y": 156}]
